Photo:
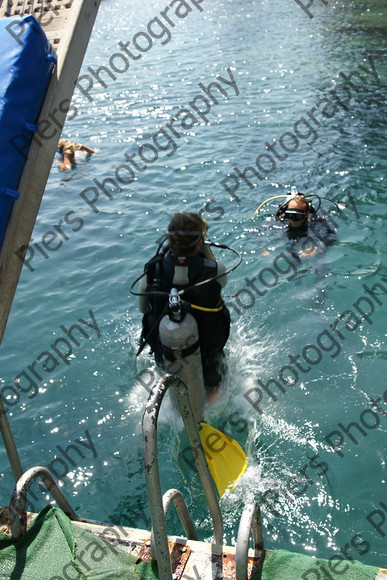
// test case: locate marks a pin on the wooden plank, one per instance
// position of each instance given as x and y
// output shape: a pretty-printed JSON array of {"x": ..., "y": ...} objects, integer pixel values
[{"x": 76, "y": 19}]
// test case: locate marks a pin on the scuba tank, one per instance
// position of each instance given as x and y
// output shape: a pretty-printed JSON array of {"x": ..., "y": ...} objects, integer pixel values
[
  {"x": 177, "y": 329},
  {"x": 179, "y": 338}
]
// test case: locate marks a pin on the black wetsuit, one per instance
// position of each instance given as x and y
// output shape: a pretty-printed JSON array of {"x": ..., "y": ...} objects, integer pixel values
[
  {"x": 214, "y": 327},
  {"x": 315, "y": 234}
]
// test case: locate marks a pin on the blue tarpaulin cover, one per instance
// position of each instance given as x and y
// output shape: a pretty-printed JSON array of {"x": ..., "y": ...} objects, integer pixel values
[{"x": 26, "y": 64}]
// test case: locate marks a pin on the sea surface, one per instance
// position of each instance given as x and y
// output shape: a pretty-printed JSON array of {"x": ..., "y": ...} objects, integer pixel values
[{"x": 306, "y": 396}]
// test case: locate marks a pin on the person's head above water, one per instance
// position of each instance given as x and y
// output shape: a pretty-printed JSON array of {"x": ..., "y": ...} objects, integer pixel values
[
  {"x": 186, "y": 233},
  {"x": 296, "y": 211},
  {"x": 63, "y": 145}
]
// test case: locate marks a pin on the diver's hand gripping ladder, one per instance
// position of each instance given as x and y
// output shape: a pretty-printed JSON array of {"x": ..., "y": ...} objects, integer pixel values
[{"x": 159, "y": 505}]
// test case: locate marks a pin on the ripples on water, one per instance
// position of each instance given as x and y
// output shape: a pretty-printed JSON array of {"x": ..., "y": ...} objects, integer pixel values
[{"x": 283, "y": 63}]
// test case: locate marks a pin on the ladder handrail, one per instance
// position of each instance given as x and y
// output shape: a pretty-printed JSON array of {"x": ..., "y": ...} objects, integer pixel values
[
  {"x": 9, "y": 442},
  {"x": 18, "y": 500},
  {"x": 152, "y": 475},
  {"x": 176, "y": 497},
  {"x": 250, "y": 522}
]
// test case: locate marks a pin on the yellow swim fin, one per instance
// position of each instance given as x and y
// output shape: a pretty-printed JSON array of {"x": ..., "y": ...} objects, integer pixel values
[{"x": 225, "y": 457}]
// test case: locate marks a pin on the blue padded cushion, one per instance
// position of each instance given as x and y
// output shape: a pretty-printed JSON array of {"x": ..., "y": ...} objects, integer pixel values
[{"x": 26, "y": 63}]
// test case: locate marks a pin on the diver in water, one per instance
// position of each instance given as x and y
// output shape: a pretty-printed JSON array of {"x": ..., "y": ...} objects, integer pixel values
[
  {"x": 186, "y": 261},
  {"x": 67, "y": 150},
  {"x": 309, "y": 233}
]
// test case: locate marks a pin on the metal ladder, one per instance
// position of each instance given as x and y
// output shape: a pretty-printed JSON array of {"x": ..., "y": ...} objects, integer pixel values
[
  {"x": 159, "y": 504},
  {"x": 17, "y": 504}
]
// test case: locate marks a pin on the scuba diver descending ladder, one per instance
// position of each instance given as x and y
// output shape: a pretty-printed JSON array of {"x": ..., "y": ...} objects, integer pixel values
[{"x": 186, "y": 324}]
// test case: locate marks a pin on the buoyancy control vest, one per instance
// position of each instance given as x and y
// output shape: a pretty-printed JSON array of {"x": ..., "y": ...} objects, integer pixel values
[{"x": 170, "y": 271}]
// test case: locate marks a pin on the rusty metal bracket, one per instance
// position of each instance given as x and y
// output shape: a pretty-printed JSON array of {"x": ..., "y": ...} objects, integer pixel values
[{"x": 178, "y": 553}]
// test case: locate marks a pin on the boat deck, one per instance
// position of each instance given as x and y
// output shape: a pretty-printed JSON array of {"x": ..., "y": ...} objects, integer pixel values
[
  {"x": 52, "y": 15},
  {"x": 195, "y": 560},
  {"x": 191, "y": 559}
]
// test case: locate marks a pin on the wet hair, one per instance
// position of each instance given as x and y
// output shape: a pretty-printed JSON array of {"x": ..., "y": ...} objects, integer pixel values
[
  {"x": 185, "y": 230},
  {"x": 61, "y": 145},
  {"x": 300, "y": 198}
]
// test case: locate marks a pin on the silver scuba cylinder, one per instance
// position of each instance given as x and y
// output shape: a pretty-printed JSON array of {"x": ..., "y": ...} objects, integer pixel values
[{"x": 181, "y": 352}]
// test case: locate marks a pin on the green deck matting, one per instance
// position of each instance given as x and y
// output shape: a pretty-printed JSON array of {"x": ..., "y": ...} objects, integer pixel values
[
  {"x": 283, "y": 565},
  {"x": 53, "y": 549}
]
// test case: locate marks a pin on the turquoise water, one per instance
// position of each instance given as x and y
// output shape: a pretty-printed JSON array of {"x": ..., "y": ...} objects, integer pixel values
[{"x": 283, "y": 63}]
